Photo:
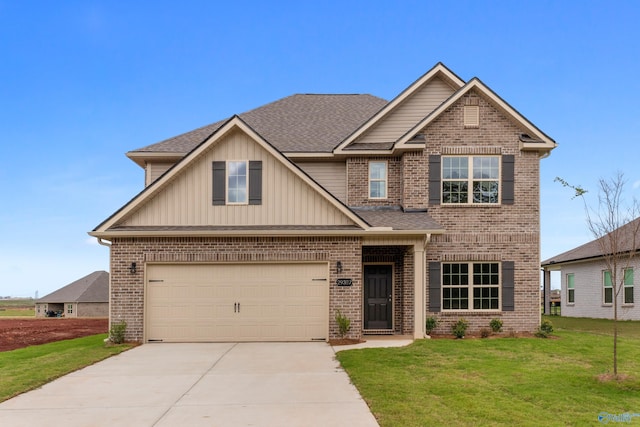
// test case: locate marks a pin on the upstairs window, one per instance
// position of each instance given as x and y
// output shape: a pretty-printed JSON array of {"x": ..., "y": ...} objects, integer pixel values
[
  {"x": 607, "y": 287},
  {"x": 470, "y": 179},
  {"x": 571, "y": 291},
  {"x": 628, "y": 286},
  {"x": 237, "y": 182},
  {"x": 377, "y": 180}
]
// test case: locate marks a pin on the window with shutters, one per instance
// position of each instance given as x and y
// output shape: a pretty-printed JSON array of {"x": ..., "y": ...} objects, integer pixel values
[
  {"x": 470, "y": 179},
  {"x": 237, "y": 182},
  {"x": 471, "y": 286}
]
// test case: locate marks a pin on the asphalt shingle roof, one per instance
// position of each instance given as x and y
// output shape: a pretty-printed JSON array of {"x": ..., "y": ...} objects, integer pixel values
[
  {"x": 91, "y": 288},
  {"x": 397, "y": 219},
  {"x": 593, "y": 248},
  {"x": 297, "y": 123}
]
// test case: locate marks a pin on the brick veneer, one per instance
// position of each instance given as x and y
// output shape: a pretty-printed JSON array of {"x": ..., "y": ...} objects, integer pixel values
[{"x": 127, "y": 290}]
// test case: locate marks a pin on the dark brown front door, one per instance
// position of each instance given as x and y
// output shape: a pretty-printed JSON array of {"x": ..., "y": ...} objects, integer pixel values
[{"x": 378, "y": 296}]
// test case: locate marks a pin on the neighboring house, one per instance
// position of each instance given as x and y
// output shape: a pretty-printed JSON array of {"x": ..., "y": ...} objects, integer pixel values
[
  {"x": 86, "y": 297},
  {"x": 262, "y": 226},
  {"x": 586, "y": 282}
]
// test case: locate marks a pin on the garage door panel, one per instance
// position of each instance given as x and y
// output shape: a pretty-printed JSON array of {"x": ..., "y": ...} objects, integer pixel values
[{"x": 277, "y": 302}]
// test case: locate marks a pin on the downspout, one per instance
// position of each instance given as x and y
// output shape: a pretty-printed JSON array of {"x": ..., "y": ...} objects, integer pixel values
[
  {"x": 107, "y": 244},
  {"x": 102, "y": 242}
]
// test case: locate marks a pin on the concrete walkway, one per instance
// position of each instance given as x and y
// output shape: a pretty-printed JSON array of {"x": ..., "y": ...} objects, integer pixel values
[{"x": 218, "y": 384}]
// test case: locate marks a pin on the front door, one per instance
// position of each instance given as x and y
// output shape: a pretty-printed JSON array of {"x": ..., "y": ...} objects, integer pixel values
[{"x": 378, "y": 297}]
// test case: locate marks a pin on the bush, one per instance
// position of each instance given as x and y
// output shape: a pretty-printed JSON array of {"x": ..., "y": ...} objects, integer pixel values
[
  {"x": 116, "y": 332},
  {"x": 496, "y": 325},
  {"x": 460, "y": 328},
  {"x": 545, "y": 329},
  {"x": 344, "y": 324},
  {"x": 431, "y": 324}
]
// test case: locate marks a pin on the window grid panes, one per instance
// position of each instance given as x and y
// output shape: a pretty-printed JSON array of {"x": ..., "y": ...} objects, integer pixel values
[
  {"x": 481, "y": 174},
  {"x": 237, "y": 182},
  {"x": 628, "y": 286},
  {"x": 377, "y": 180},
  {"x": 607, "y": 287},
  {"x": 571, "y": 295},
  {"x": 470, "y": 286}
]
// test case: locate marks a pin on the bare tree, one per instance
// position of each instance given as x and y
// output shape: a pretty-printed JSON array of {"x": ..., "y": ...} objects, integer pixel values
[{"x": 616, "y": 227}]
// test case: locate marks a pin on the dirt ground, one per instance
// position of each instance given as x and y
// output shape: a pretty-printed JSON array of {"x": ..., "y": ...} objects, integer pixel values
[{"x": 17, "y": 333}]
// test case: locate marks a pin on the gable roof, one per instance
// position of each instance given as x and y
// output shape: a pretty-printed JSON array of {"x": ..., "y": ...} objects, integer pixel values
[
  {"x": 439, "y": 70},
  {"x": 541, "y": 141},
  {"x": 91, "y": 288},
  {"x": 593, "y": 249},
  {"x": 111, "y": 225},
  {"x": 297, "y": 123}
]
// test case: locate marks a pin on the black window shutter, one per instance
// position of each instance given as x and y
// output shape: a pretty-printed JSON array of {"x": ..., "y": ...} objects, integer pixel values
[
  {"x": 508, "y": 278},
  {"x": 507, "y": 179},
  {"x": 218, "y": 183},
  {"x": 434, "y": 286},
  {"x": 255, "y": 182},
  {"x": 434, "y": 179}
]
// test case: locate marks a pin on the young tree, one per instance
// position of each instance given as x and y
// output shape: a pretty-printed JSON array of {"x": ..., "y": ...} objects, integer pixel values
[{"x": 616, "y": 227}]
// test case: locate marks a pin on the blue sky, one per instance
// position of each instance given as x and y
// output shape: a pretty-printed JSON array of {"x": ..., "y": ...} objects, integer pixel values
[{"x": 83, "y": 82}]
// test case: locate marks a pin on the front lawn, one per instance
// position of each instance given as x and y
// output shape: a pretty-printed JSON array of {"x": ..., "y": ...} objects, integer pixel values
[
  {"x": 31, "y": 367},
  {"x": 505, "y": 381}
]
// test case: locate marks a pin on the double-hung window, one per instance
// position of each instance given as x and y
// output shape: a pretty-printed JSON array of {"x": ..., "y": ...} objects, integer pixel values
[
  {"x": 628, "y": 286},
  {"x": 571, "y": 291},
  {"x": 470, "y": 179},
  {"x": 237, "y": 182},
  {"x": 471, "y": 286},
  {"x": 607, "y": 287},
  {"x": 377, "y": 180}
]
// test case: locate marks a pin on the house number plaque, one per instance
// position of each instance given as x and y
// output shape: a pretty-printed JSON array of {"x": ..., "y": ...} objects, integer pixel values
[{"x": 344, "y": 282}]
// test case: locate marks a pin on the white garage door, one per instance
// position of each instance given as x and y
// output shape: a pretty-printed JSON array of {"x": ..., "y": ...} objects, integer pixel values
[{"x": 237, "y": 302}]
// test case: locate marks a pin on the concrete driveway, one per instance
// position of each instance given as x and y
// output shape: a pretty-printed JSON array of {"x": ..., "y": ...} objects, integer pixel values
[{"x": 218, "y": 384}]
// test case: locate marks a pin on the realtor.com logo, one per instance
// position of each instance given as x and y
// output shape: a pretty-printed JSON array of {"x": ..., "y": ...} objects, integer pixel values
[{"x": 606, "y": 418}]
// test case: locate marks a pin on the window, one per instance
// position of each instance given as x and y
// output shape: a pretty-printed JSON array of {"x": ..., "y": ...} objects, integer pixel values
[
  {"x": 628, "y": 286},
  {"x": 607, "y": 288},
  {"x": 377, "y": 180},
  {"x": 69, "y": 308},
  {"x": 470, "y": 180},
  {"x": 470, "y": 286},
  {"x": 571, "y": 291},
  {"x": 237, "y": 182}
]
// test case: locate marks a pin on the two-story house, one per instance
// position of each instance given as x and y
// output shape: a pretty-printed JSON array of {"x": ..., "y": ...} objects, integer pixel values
[{"x": 263, "y": 226}]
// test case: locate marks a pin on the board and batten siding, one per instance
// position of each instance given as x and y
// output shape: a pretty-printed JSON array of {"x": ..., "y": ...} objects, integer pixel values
[
  {"x": 587, "y": 281},
  {"x": 409, "y": 113},
  {"x": 331, "y": 175},
  {"x": 187, "y": 198},
  {"x": 153, "y": 171}
]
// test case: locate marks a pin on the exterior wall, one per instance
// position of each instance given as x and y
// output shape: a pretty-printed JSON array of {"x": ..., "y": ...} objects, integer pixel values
[
  {"x": 408, "y": 113},
  {"x": 286, "y": 198},
  {"x": 493, "y": 233},
  {"x": 331, "y": 175},
  {"x": 589, "y": 292},
  {"x": 358, "y": 179},
  {"x": 74, "y": 309},
  {"x": 92, "y": 309},
  {"x": 127, "y": 290},
  {"x": 41, "y": 310}
]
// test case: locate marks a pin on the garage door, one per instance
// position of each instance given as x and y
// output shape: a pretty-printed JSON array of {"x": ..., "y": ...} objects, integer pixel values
[{"x": 237, "y": 302}]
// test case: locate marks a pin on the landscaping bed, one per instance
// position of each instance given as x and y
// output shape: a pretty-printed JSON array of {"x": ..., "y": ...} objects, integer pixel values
[{"x": 20, "y": 332}]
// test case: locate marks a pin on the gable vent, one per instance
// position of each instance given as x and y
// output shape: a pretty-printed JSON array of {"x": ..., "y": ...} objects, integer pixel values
[{"x": 471, "y": 116}]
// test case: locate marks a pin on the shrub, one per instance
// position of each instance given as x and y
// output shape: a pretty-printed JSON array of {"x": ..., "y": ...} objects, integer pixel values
[
  {"x": 344, "y": 324},
  {"x": 485, "y": 333},
  {"x": 431, "y": 324},
  {"x": 116, "y": 332},
  {"x": 460, "y": 328},
  {"x": 496, "y": 325},
  {"x": 545, "y": 329}
]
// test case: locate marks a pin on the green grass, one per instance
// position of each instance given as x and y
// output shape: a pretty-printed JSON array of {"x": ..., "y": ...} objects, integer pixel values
[
  {"x": 504, "y": 381},
  {"x": 31, "y": 367},
  {"x": 17, "y": 307}
]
